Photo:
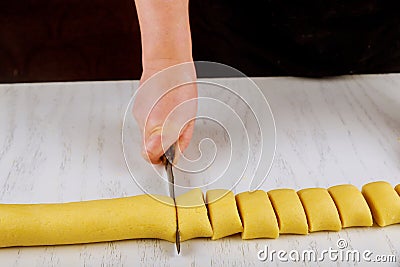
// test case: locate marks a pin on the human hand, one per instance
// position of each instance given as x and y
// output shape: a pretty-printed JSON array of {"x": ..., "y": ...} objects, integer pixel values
[{"x": 165, "y": 107}]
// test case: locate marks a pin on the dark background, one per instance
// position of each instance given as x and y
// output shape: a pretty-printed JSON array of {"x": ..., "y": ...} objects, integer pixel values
[{"x": 69, "y": 40}]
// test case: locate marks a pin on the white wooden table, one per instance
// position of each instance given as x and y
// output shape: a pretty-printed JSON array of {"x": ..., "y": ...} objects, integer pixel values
[{"x": 62, "y": 142}]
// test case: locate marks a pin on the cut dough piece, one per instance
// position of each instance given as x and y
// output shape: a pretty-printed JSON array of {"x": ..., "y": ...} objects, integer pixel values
[
  {"x": 223, "y": 212},
  {"x": 192, "y": 215},
  {"x": 86, "y": 222},
  {"x": 397, "y": 188},
  {"x": 289, "y": 211},
  {"x": 383, "y": 201},
  {"x": 257, "y": 215},
  {"x": 320, "y": 209},
  {"x": 353, "y": 209}
]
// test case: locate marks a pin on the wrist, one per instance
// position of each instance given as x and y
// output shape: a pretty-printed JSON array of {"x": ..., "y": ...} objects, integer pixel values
[
  {"x": 152, "y": 65},
  {"x": 165, "y": 53}
]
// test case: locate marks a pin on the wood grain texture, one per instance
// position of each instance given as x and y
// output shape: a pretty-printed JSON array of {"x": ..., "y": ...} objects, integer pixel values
[{"x": 61, "y": 142}]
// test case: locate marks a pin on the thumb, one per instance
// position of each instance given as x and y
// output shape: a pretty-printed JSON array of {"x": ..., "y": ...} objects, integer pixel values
[{"x": 156, "y": 145}]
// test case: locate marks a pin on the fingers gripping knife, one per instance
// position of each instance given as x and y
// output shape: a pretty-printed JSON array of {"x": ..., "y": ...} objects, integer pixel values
[{"x": 168, "y": 160}]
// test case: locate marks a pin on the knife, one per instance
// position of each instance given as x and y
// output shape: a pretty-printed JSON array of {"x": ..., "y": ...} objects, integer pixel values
[{"x": 168, "y": 160}]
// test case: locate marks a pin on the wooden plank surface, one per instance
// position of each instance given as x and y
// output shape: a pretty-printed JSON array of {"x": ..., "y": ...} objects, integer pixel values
[{"x": 62, "y": 142}]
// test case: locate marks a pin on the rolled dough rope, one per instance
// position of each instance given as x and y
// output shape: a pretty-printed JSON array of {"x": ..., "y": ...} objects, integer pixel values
[
  {"x": 192, "y": 213},
  {"x": 353, "y": 209},
  {"x": 86, "y": 222},
  {"x": 320, "y": 209},
  {"x": 148, "y": 216},
  {"x": 383, "y": 201},
  {"x": 397, "y": 188},
  {"x": 224, "y": 216},
  {"x": 289, "y": 211},
  {"x": 258, "y": 216}
]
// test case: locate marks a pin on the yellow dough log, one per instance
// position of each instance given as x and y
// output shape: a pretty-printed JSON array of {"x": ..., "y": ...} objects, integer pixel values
[
  {"x": 264, "y": 215},
  {"x": 257, "y": 215},
  {"x": 85, "y": 222},
  {"x": 320, "y": 209},
  {"x": 353, "y": 209},
  {"x": 192, "y": 215},
  {"x": 383, "y": 201},
  {"x": 224, "y": 216},
  {"x": 289, "y": 211}
]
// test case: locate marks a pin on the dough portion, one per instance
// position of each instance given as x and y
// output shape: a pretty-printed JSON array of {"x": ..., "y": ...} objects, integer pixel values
[
  {"x": 353, "y": 209},
  {"x": 192, "y": 215},
  {"x": 224, "y": 216},
  {"x": 289, "y": 211},
  {"x": 257, "y": 215},
  {"x": 320, "y": 209},
  {"x": 264, "y": 215},
  {"x": 383, "y": 201},
  {"x": 86, "y": 222}
]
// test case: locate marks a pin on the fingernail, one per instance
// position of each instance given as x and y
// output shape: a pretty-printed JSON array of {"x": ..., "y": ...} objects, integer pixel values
[
  {"x": 145, "y": 155},
  {"x": 151, "y": 145}
]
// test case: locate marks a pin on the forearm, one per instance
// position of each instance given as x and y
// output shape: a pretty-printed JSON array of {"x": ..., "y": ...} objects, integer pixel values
[
  {"x": 165, "y": 32},
  {"x": 166, "y": 41}
]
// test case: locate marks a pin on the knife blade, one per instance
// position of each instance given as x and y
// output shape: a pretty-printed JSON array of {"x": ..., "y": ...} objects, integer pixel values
[{"x": 168, "y": 160}]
